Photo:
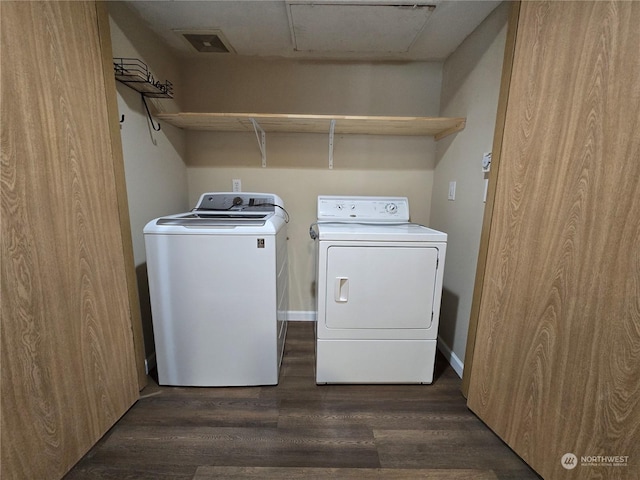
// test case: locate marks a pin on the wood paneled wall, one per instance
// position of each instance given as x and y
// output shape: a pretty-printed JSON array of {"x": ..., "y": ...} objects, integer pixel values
[
  {"x": 68, "y": 368},
  {"x": 556, "y": 367}
]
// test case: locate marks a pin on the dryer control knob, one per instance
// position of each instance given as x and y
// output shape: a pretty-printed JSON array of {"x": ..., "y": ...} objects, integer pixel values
[{"x": 391, "y": 208}]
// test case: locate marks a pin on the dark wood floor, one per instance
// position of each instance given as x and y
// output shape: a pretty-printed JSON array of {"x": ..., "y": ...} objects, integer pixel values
[{"x": 301, "y": 430}]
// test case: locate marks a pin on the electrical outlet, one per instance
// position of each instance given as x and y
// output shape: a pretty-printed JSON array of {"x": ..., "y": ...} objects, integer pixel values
[{"x": 236, "y": 185}]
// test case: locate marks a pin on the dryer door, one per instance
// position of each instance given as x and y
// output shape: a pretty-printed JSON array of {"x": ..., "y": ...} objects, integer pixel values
[{"x": 380, "y": 287}]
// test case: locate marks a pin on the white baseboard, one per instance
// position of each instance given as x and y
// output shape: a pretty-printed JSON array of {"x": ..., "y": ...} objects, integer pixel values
[
  {"x": 302, "y": 315},
  {"x": 451, "y": 357},
  {"x": 150, "y": 362}
]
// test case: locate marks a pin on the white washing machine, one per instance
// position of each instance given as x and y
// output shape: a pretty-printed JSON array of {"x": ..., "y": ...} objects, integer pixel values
[
  {"x": 218, "y": 284},
  {"x": 379, "y": 286}
]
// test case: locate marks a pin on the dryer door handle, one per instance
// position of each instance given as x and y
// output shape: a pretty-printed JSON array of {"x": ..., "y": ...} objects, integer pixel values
[{"x": 341, "y": 290}]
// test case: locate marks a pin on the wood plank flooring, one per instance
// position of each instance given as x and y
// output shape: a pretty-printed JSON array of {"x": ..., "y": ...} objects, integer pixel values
[{"x": 300, "y": 430}]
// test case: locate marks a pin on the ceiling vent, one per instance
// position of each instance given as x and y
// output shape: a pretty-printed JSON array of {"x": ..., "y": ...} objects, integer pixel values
[{"x": 209, "y": 41}]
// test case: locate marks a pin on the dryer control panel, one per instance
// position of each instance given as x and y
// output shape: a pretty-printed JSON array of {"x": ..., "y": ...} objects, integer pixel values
[{"x": 363, "y": 209}]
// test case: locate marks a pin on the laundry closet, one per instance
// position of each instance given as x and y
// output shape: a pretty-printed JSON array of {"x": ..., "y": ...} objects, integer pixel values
[
  {"x": 445, "y": 179},
  {"x": 575, "y": 311},
  {"x": 295, "y": 102}
]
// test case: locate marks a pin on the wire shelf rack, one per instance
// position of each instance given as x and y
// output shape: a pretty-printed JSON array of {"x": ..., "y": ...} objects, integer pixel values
[{"x": 135, "y": 74}]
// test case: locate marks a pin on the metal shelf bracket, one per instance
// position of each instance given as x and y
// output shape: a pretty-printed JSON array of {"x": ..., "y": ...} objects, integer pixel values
[
  {"x": 262, "y": 142},
  {"x": 332, "y": 127}
]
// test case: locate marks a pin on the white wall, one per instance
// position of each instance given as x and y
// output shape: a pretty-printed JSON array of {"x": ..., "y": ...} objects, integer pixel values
[
  {"x": 251, "y": 84},
  {"x": 471, "y": 83},
  {"x": 154, "y": 161},
  {"x": 297, "y": 164},
  {"x": 156, "y": 174}
]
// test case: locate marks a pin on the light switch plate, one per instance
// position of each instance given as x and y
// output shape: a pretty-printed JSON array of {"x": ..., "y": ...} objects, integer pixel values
[
  {"x": 452, "y": 191},
  {"x": 486, "y": 162}
]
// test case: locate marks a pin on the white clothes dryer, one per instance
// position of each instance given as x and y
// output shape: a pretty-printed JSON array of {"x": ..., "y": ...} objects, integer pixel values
[
  {"x": 379, "y": 287},
  {"x": 218, "y": 284}
]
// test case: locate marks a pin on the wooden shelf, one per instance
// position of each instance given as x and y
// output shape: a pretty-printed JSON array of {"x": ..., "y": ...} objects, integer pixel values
[{"x": 438, "y": 127}]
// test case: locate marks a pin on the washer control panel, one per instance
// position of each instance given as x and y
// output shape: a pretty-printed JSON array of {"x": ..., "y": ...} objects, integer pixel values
[
  {"x": 363, "y": 209},
  {"x": 237, "y": 201}
]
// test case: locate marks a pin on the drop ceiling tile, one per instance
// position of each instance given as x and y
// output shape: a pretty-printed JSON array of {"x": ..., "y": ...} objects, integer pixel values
[{"x": 356, "y": 28}]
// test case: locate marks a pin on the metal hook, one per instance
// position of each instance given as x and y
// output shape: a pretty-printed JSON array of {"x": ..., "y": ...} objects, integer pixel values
[{"x": 149, "y": 114}]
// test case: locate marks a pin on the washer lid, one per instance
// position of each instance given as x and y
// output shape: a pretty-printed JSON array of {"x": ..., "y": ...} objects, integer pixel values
[
  {"x": 197, "y": 223},
  {"x": 199, "y": 218},
  {"x": 401, "y": 232}
]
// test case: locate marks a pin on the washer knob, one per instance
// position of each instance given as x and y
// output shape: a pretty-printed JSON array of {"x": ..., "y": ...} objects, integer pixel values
[{"x": 391, "y": 208}]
